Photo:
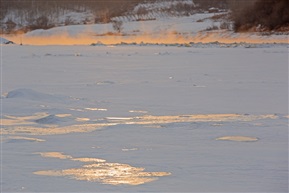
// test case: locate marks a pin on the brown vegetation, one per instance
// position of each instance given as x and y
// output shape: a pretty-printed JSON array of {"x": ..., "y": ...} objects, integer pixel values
[
  {"x": 39, "y": 14},
  {"x": 246, "y": 15},
  {"x": 260, "y": 15}
]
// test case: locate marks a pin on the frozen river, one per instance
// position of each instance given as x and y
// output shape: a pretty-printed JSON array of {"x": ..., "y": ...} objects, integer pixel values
[{"x": 154, "y": 118}]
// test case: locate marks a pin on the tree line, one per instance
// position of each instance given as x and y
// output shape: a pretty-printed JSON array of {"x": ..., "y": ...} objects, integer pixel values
[
  {"x": 245, "y": 14},
  {"x": 261, "y": 14},
  {"x": 35, "y": 14}
]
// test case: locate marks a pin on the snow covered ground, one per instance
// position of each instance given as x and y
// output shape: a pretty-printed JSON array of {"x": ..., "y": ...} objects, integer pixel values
[{"x": 144, "y": 118}]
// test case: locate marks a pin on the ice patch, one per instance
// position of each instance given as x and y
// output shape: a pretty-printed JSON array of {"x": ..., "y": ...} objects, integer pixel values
[
  {"x": 129, "y": 149},
  {"x": 238, "y": 138},
  {"x": 58, "y": 155},
  {"x": 79, "y": 110},
  {"x": 119, "y": 118},
  {"x": 63, "y": 115},
  {"x": 107, "y": 82},
  {"x": 138, "y": 111},
  {"x": 88, "y": 159},
  {"x": 21, "y": 139},
  {"x": 22, "y": 125},
  {"x": 37, "y": 118},
  {"x": 95, "y": 109},
  {"x": 150, "y": 119},
  {"x": 9, "y": 120},
  {"x": 14, "y": 122},
  {"x": 79, "y": 119},
  {"x": 102, "y": 171},
  {"x": 53, "y": 130}
]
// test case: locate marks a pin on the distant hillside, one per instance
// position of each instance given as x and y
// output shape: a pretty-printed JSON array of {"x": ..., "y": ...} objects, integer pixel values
[
  {"x": 42, "y": 14},
  {"x": 260, "y": 15},
  {"x": 22, "y": 16},
  {"x": 19, "y": 16}
]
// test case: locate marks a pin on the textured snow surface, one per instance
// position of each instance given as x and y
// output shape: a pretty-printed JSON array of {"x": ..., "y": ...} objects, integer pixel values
[{"x": 143, "y": 118}]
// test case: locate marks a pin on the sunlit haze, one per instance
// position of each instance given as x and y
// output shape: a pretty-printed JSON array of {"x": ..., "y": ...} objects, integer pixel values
[{"x": 166, "y": 38}]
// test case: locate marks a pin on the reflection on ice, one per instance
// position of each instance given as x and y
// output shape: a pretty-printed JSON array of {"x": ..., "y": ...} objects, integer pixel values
[
  {"x": 102, "y": 171},
  {"x": 58, "y": 155},
  {"x": 138, "y": 111},
  {"x": 238, "y": 138},
  {"x": 85, "y": 159},
  {"x": 26, "y": 138},
  {"x": 21, "y": 120},
  {"x": 96, "y": 109},
  {"x": 150, "y": 119},
  {"x": 79, "y": 119},
  {"x": 26, "y": 125},
  {"x": 129, "y": 149},
  {"x": 52, "y": 130}
]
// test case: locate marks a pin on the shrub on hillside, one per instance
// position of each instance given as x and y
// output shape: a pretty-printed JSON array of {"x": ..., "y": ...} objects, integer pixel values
[
  {"x": 206, "y": 4},
  {"x": 142, "y": 11},
  {"x": 41, "y": 22},
  {"x": 269, "y": 14},
  {"x": 117, "y": 26},
  {"x": 9, "y": 25}
]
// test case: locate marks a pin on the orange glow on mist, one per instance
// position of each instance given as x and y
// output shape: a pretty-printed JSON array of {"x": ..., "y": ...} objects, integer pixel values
[{"x": 167, "y": 38}]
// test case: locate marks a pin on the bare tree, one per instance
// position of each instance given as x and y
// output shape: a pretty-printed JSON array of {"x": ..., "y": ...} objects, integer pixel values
[
  {"x": 117, "y": 26},
  {"x": 269, "y": 14}
]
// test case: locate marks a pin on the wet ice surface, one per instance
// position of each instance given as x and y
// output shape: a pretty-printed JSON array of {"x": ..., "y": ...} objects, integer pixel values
[
  {"x": 101, "y": 171},
  {"x": 192, "y": 119}
]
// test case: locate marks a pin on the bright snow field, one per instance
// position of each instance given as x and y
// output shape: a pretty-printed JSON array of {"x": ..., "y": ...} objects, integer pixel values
[{"x": 144, "y": 118}]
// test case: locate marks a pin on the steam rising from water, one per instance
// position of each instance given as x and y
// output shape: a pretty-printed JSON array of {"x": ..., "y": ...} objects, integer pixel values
[{"x": 174, "y": 37}]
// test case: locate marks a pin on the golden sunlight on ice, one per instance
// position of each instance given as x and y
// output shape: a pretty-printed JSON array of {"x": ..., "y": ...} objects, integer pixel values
[
  {"x": 79, "y": 119},
  {"x": 26, "y": 138},
  {"x": 58, "y": 155},
  {"x": 150, "y": 119},
  {"x": 96, "y": 109},
  {"x": 27, "y": 125},
  {"x": 85, "y": 159},
  {"x": 21, "y": 120},
  {"x": 52, "y": 130},
  {"x": 101, "y": 171},
  {"x": 9, "y": 120},
  {"x": 63, "y": 115},
  {"x": 238, "y": 138},
  {"x": 15, "y": 122}
]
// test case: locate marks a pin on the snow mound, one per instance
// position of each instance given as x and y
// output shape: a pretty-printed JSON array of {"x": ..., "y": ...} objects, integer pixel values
[
  {"x": 20, "y": 139},
  {"x": 52, "y": 119},
  {"x": 5, "y": 41},
  {"x": 29, "y": 94}
]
